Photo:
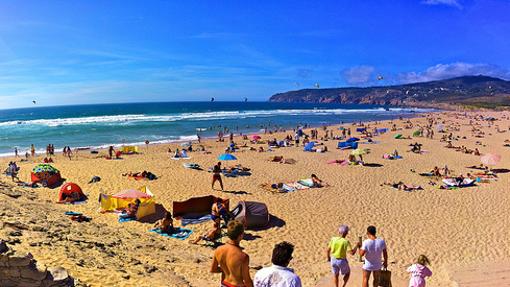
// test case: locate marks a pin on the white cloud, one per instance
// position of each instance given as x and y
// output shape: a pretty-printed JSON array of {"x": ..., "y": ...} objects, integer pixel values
[
  {"x": 452, "y": 3},
  {"x": 445, "y": 71},
  {"x": 358, "y": 75}
]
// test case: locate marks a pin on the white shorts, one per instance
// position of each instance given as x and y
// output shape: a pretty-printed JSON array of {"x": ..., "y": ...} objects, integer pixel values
[{"x": 340, "y": 266}]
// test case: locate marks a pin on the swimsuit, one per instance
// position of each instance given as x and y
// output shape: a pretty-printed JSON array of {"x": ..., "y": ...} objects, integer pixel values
[{"x": 226, "y": 284}]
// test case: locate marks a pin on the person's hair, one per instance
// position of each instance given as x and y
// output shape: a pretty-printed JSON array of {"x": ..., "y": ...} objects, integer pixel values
[
  {"x": 423, "y": 260},
  {"x": 234, "y": 229},
  {"x": 168, "y": 215},
  {"x": 313, "y": 175},
  {"x": 371, "y": 230},
  {"x": 219, "y": 163},
  {"x": 343, "y": 229},
  {"x": 282, "y": 253}
]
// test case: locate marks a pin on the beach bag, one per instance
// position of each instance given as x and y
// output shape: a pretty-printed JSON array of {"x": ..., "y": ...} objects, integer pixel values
[{"x": 385, "y": 278}]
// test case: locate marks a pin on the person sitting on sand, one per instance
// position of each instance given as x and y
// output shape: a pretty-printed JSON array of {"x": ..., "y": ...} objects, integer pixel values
[
  {"x": 395, "y": 154},
  {"x": 219, "y": 211},
  {"x": 231, "y": 261},
  {"x": 435, "y": 171},
  {"x": 278, "y": 275},
  {"x": 132, "y": 209},
  {"x": 177, "y": 154},
  {"x": 211, "y": 235},
  {"x": 338, "y": 248},
  {"x": 476, "y": 152},
  {"x": 352, "y": 159},
  {"x": 166, "y": 225},
  {"x": 419, "y": 271}
]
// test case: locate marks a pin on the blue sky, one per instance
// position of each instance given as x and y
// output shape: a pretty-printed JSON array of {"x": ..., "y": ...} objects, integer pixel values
[{"x": 76, "y": 52}]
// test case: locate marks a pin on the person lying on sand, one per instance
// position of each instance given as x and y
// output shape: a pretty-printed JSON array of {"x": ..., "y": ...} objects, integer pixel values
[
  {"x": 166, "y": 225},
  {"x": 211, "y": 235},
  {"x": 402, "y": 186},
  {"x": 72, "y": 197},
  {"x": 318, "y": 182}
]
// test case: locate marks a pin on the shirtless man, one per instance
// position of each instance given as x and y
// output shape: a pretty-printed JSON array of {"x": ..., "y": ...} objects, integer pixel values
[{"x": 231, "y": 261}]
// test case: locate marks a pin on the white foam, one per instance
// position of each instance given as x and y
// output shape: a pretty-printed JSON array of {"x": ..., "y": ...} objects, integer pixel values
[{"x": 219, "y": 115}]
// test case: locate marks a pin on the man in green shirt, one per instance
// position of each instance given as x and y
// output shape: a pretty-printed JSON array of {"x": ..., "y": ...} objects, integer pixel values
[{"x": 337, "y": 254}]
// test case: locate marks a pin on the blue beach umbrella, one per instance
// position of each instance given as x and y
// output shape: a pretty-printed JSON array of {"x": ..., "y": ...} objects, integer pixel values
[{"x": 227, "y": 156}]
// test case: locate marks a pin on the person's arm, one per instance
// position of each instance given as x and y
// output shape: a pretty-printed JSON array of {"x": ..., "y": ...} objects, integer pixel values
[
  {"x": 353, "y": 250},
  {"x": 362, "y": 250},
  {"x": 385, "y": 255},
  {"x": 246, "y": 272},
  {"x": 215, "y": 267},
  {"x": 328, "y": 253}
]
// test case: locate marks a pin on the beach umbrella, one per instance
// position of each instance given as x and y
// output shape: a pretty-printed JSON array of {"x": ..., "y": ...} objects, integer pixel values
[
  {"x": 360, "y": 151},
  {"x": 227, "y": 156},
  {"x": 255, "y": 137},
  {"x": 490, "y": 159}
]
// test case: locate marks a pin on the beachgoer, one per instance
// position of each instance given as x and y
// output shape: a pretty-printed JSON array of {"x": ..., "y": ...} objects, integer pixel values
[
  {"x": 218, "y": 210},
  {"x": 373, "y": 248},
  {"x": 32, "y": 150},
  {"x": 166, "y": 225},
  {"x": 13, "y": 169},
  {"x": 279, "y": 274},
  {"x": 132, "y": 209},
  {"x": 211, "y": 235},
  {"x": 337, "y": 255},
  {"x": 217, "y": 175},
  {"x": 316, "y": 181},
  {"x": 110, "y": 152},
  {"x": 231, "y": 261},
  {"x": 419, "y": 271},
  {"x": 15, "y": 152}
]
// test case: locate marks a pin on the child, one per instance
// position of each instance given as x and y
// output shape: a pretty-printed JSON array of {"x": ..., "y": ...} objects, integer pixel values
[{"x": 419, "y": 271}]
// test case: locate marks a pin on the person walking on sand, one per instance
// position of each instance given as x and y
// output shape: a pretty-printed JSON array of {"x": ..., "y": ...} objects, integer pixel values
[
  {"x": 231, "y": 261},
  {"x": 337, "y": 255},
  {"x": 16, "y": 152},
  {"x": 278, "y": 275},
  {"x": 419, "y": 271},
  {"x": 217, "y": 175},
  {"x": 373, "y": 248},
  {"x": 32, "y": 150}
]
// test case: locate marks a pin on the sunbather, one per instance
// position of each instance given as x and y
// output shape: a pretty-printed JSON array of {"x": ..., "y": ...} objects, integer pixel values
[
  {"x": 402, "y": 186},
  {"x": 317, "y": 182},
  {"x": 166, "y": 225},
  {"x": 219, "y": 211},
  {"x": 132, "y": 209},
  {"x": 211, "y": 235}
]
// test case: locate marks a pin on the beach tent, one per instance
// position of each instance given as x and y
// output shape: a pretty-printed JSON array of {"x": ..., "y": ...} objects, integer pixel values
[
  {"x": 309, "y": 146},
  {"x": 353, "y": 139},
  {"x": 398, "y": 136},
  {"x": 416, "y": 133},
  {"x": 122, "y": 199},
  {"x": 196, "y": 206},
  {"x": 360, "y": 130},
  {"x": 253, "y": 214},
  {"x": 69, "y": 188},
  {"x": 255, "y": 137},
  {"x": 227, "y": 156},
  {"x": 129, "y": 149},
  {"x": 347, "y": 145},
  {"x": 381, "y": 130},
  {"x": 45, "y": 174}
]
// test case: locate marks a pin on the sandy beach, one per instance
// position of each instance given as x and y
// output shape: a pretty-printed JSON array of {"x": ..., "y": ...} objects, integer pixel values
[{"x": 462, "y": 231}]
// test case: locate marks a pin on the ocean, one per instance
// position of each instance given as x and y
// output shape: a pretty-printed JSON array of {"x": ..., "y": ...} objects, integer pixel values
[{"x": 116, "y": 124}]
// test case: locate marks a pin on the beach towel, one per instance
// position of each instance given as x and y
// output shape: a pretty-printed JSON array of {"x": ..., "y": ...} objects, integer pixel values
[
  {"x": 72, "y": 213},
  {"x": 180, "y": 233},
  {"x": 398, "y": 136},
  {"x": 191, "y": 165},
  {"x": 189, "y": 220},
  {"x": 126, "y": 219},
  {"x": 452, "y": 182}
]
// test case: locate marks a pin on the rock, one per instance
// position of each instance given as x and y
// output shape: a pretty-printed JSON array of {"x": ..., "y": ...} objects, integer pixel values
[
  {"x": 15, "y": 233},
  {"x": 126, "y": 276},
  {"x": 58, "y": 273},
  {"x": 20, "y": 260},
  {"x": 3, "y": 247},
  {"x": 39, "y": 228},
  {"x": 33, "y": 274},
  {"x": 150, "y": 268}
]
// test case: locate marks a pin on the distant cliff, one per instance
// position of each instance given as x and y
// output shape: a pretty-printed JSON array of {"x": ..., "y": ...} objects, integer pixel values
[{"x": 468, "y": 91}]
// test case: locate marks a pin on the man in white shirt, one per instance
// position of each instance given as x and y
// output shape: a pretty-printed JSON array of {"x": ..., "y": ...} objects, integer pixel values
[
  {"x": 278, "y": 275},
  {"x": 373, "y": 248}
]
